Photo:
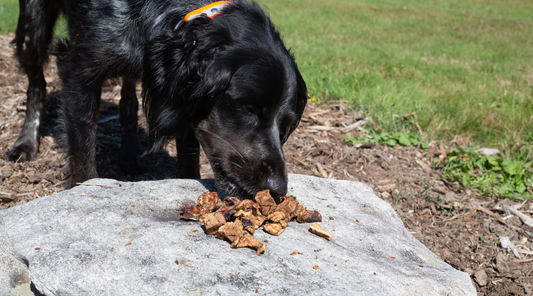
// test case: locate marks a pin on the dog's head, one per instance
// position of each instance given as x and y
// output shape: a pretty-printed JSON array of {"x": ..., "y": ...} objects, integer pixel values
[{"x": 235, "y": 84}]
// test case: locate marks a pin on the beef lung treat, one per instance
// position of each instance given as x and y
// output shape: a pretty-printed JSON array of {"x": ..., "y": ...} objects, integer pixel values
[
  {"x": 273, "y": 228},
  {"x": 278, "y": 216},
  {"x": 226, "y": 211},
  {"x": 209, "y": 200},
  {"x": 309, "y": 216},
  {"x": 251, "y": 223},
  {"x": 289, "y": 206},
  {"x": 231, "y": 201},
  {"x": 194, "y": 213},
  {"x": 317, "y": 229},
  {"x": 230, "y": 231},
  {"x": 213, "y": 221},
  {"x": 245, "y": 205},
  {"x": 266, "y": 202},
  {"x": 247, "y": 240},
  {"x": 236, "y": 221}
]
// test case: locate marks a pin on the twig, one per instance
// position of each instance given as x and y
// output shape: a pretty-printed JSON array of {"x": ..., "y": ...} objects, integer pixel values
[
  {"x": 91, "y": 184},
  {"x": 493, "y": 215},
  {"x": 321, "y": 171},
  {"x": 300, "y": 162}
]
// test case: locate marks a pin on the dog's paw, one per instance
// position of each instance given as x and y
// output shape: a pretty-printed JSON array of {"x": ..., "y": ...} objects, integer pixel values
[{"x": 22, "y": 152}]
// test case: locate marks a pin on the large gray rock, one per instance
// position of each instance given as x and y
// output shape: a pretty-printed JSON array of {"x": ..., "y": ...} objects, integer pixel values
[{"x": 119, "y": 238}]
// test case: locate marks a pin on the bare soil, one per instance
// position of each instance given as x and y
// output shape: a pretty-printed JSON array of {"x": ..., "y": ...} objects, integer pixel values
[{"x": 457, "y": 224}]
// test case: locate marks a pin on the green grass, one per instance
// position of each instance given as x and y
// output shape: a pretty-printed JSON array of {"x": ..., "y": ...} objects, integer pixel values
[
  {"x": 463, "y": 67},
  {"x": 9, "y": 13}
]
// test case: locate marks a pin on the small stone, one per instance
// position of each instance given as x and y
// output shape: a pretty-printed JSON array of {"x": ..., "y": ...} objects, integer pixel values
[
  {"x": 449, "y": 197},
  {"x": 501, "y": 263},
  {"x": 481, "y": 277},
  {"x": 469, "y": 271}
]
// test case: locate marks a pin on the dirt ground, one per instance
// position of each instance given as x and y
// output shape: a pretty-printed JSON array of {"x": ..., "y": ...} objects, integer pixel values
[{"x": 457, "y": 224}]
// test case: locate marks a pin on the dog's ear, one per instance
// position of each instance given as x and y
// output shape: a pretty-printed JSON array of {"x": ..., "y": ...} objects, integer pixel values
[
  {"x": 181, "y": 78},
  {"x": 301, "y": 101}
]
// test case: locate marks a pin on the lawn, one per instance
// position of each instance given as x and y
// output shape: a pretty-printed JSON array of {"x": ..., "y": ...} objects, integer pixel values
[{"x": 463, "y": 68}]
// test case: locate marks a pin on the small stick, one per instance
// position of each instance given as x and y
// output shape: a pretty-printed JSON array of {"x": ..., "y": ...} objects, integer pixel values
[{"x": 101, "y": 185}]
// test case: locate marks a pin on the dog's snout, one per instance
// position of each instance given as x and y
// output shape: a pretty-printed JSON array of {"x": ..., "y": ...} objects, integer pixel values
[{"x": 277, "y": 185}]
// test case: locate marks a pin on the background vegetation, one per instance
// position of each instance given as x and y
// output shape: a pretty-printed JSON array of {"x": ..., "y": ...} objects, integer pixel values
[{"x": 465, "y": 68}]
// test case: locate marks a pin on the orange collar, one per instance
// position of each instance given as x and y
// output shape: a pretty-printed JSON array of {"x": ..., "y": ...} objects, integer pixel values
[{"x": 210, "y": 11}]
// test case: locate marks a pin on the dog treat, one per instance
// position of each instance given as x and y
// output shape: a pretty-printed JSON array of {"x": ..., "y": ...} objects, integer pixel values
[
  {"x": 247, "y": 240},
  {"x": 309, "y": 216},
  {"x": 266, "y": 202},
  {"x": 231, "y": 201},
  {"x": 226, "y": 211},
  {"x": 236, "y": 221},
  {"x": 273, "y": 228},
  {"x": 278, "y": 216},
  {"x": 317, "y": 229},
  {"x": 252, "y": 223},
  {"x": 289, "y": 205},
  {"x": 230, "y": 231},
  {"x": 213, "y": 221},
  {"x": 194, "y": 213},
  {"x": 209, "y": 200}
]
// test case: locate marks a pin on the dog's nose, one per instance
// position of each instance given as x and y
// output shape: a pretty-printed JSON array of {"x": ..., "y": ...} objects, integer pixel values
[{"x": 277, "y": 185}]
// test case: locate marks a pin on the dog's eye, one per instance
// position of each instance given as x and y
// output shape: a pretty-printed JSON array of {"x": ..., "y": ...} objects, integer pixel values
[
  {"x": 251, "y": 115},
  {"x": 250, "y": 111}
]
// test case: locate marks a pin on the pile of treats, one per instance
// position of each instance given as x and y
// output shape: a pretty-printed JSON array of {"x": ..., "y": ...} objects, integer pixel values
[{"x": 236, "y": 221}]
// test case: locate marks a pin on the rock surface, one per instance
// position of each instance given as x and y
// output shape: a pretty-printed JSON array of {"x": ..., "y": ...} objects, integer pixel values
[{"x": 118, "y": 238}]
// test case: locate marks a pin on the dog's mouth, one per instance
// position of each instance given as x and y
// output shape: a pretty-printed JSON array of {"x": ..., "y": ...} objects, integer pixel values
[{"x": 231, "y": 186}]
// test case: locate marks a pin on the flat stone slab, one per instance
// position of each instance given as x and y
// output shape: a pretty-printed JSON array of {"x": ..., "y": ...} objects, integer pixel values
[{"x": 117, "y": 238}]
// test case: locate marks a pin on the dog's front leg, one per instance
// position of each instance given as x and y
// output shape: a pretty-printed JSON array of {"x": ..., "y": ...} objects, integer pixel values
[
  {"x": 27, "y": 144},
  {"x": 81, "y": 105},
  {"x": 130, "y": 151},
  {"x": 188, "y": 150}
]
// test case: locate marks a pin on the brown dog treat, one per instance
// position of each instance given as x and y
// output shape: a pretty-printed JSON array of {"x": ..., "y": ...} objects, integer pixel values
[
  {"x": 242, "y": 213},
  {"x": 309, "y": 216},
  {"x": 289, "y": 206},
  {"x": 247, "y": 224},
  {"x": 213, "y": 221},
  {"x": 247, "y": 240},
  {"x": 230, "y": 231},
  {"x": 251, "y": 223},
  {"x": 266, "y": 202},
  {"x": 238, "y": 223},
  {"x": 194, "y": 213},
  {"x": 300, "y": 210},
  {"x": 273, "y": 228},
  {"x": 209, "y": 201},
  {"x": 317, "y": 229},
  {"x": 231, "y": 201},
  {"x": 226, "y": 211},
  {"x": 245, "y": 205},
  {"x": 278, "y": 216}
]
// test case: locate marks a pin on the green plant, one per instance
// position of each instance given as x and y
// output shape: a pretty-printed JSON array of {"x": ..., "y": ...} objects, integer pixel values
[
  {"x": 491, "y": 175},
  {"x": 390, "y": 139}
]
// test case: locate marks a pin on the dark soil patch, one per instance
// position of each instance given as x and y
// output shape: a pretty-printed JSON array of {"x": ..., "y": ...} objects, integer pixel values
[{"x": 458, "y": 225}]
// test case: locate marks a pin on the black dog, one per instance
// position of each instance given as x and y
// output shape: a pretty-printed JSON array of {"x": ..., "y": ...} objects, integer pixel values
[{"x": 219, "y": 76}]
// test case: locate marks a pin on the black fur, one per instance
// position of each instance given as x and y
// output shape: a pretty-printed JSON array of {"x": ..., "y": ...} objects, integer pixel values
[{"x": 227, "y": 83}]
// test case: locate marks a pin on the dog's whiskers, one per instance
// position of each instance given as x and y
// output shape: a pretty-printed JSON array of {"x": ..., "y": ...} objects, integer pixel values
[
  {"x": 220, "y": 158},
  {"x": 229, "y": 144}
]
